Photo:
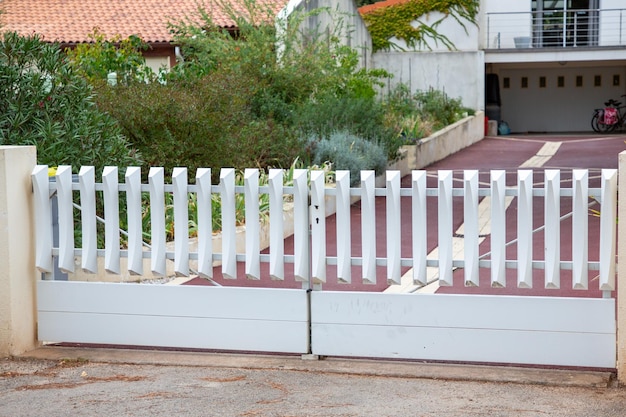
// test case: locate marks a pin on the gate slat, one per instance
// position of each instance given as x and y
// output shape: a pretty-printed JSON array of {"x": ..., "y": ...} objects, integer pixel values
[
  {"x": 301, "y": 224},
  {"x": 318, "y": 227},
  {"x": 205, "y": 223},
  {"x": 43, "y": 219},
  {"x": 580, "y": 230},
  {"x": 181, "y": 222},
  {"x": 470, "y": 227},
  {"x": 112, "y": 220},
  {"x": 394, "y": 228},
  {"x": 552, "y": 232},
  {"x": 445, "y": 227},
  {"x": 66, "y": 218},
  {"x": 368, "y": 226},
  {"x": 418, "y": 213},
  {"x": 251, "y": 197},
  {"x": 87, "y": 187},
  {"x": 343, "y": 233},
  {"x": 498, "y": 228},
  {"x": 229, "y": 232},
  {"x": 277, "y": 244},
  {"x": 525, "y": 228},
  {"x": 608, "y": 229},
  {"x": 156, "y": 185},
  {"x": 133, "y": 212}
]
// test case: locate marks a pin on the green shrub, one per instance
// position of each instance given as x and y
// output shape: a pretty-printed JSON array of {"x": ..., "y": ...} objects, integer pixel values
[
  {"x": 414, "y": 116},
  {"x": 45, "y": 103},
  {"x": 348, "y": 152},
  {"x": 204, "y": 123},
  {"x": 96, "y": 59}
]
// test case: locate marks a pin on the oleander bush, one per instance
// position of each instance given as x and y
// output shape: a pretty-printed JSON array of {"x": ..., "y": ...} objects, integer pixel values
[{"x": 46, "y": 103}]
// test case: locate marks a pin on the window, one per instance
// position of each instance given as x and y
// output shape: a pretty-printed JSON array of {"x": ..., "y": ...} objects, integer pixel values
[
  {"x": 579, "y": 81},
  {"x": 542, "y": 82},
  {"x": 597, "y": 81},
  {"x": 524, "y": 82},
  {"x": 616, "y": 80},
  {"x": 560, "y": 81},
  {"x": 506, "y": 82},
  {"x": 565, "y": 23}
]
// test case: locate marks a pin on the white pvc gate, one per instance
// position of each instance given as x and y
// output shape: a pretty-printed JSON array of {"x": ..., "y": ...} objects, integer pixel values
[{"x": 548, "y": 330}]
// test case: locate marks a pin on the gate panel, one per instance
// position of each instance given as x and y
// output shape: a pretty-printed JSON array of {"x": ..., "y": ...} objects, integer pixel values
[
  {"x": 496, "y": 329},
  {"x": 223, "y": 318}
]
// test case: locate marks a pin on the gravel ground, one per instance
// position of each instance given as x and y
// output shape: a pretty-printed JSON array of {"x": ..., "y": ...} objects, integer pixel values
[{"x": 30, "y": 387}]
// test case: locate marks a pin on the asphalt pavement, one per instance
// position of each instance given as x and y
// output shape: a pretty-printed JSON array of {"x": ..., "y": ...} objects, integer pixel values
[{"x": 55, "y": 381}]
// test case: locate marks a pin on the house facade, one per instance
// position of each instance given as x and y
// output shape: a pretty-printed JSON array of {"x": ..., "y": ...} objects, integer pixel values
[
  {"x": 539, "y": 65},
  {"x": 553, "y": 61}
]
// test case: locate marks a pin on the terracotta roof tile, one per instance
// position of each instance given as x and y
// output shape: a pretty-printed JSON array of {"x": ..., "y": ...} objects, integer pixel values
[
  {"x": 71, "y": 21},
  {"x": 379, "y": 5}
]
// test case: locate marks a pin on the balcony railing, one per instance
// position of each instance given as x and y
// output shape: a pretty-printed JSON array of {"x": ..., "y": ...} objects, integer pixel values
[{"x": 556, "y": 29}]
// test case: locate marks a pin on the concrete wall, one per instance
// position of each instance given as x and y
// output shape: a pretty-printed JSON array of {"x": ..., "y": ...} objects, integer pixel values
[
  {"x": 343, "y": 15},
  {"x": 463, "y": 39},
  {"x": 458, "y": 74},
  {"x": 18, "y": 330},
  {"x": 443, "y": 143}
]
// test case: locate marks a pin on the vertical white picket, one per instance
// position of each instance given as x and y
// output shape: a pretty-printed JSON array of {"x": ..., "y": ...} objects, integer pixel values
[
  {"x": 445, "y": 227},
  {"x": 525, "y": 228},
  {"x": 181, "y": 222},
  {"x": 498, "y": 228},
  {"x": 418, "y": 214},
  {"x": 87, "y": 186},
  {"x": 318, "y": 227},
  {"x": 229, "y": 227},
  {"x": 66, "y": 218},
  {"x": 43, "y": 218},
  {"x": 251, "y": 199},
  {"x": 580, "y": 230},
  {"x": 344, "y": 233},
  {"x": 133, "y": 211},
  {"x": 156, "y": 184},
  {"x": 608, "y": 229},
  {"x": 368, "y": 225},
  {"x": 394, "y": 228},
  {"x": 470, "y": 227},
  {"x": 205, "y": 223},
  {"x": 112, "y": 220},
  {"x": 277, "y": 244},
  {"x": 552, "y": 233},
  {"x": 301, "y": 224}
]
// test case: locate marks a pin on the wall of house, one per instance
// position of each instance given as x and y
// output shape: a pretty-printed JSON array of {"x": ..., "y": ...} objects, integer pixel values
[
  {"x": 502, "y": 21},
  {"x": 353, "y": 28},
  {"x": 463, "y": 38},
  {"x": 458, "y": 74}
]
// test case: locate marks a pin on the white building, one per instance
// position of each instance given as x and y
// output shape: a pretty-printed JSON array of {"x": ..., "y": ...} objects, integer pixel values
[{"x": 550, "y": 61}]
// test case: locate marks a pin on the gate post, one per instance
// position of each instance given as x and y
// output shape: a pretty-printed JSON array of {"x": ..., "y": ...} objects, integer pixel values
[
  {"x": 18, "y": 275},
  {"x": 621, "y": 270}
]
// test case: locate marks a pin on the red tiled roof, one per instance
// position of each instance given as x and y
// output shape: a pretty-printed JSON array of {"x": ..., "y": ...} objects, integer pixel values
[
  {"x": 71, "y": 21},
  {"x": 379, "y": 5}
]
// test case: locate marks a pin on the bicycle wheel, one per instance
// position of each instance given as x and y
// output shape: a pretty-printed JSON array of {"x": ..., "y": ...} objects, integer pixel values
[
  {"x": 594, "y": 121},
  {"x": 598, "y": 125}
]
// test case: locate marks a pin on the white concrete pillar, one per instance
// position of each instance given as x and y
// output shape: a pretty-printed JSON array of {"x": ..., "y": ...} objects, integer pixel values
[
  {"x": 18, "y": 275},
  {"x": 621, "y": 272}
]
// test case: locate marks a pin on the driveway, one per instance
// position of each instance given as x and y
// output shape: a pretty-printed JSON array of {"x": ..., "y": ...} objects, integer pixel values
[{"x": 509, "y": 153}]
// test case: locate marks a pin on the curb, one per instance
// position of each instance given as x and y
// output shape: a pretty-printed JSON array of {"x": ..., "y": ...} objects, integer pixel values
[{"x": 310, "y": 363}]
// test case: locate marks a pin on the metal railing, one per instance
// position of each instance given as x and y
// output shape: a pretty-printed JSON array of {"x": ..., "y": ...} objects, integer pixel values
[{"x": 555, "y": 29}]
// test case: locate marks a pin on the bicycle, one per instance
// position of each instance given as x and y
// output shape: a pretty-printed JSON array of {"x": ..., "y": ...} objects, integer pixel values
[{"x": 609, "y": 118}]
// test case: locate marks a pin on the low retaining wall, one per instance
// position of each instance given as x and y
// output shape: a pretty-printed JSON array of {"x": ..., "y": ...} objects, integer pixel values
[{"x": 443, "y": 143}]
